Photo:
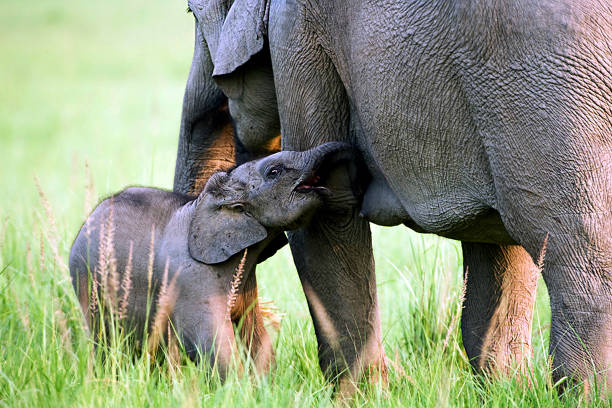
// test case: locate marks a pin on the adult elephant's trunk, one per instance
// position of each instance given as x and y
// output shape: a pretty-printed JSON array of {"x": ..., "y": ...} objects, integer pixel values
[{"x": 206, "y": 141}]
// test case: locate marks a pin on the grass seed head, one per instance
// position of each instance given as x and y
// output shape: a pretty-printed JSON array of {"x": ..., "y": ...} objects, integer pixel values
[
  {"x": 236, "y": 281},
  {"x": 90, "y": 192},
  {"x": 168, "y": 294},
  {"x": 126, "y": 284}
]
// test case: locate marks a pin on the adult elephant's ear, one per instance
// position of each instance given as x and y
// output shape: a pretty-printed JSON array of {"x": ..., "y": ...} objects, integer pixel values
[
  {"x": 219, "y": 231},
  {"x": 243, "y": 35}
]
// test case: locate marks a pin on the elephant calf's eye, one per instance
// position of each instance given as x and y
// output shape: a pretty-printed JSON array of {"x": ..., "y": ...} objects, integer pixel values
[
  {"x": 274, "y": 172},
  {"x": 236, "y": 207}
]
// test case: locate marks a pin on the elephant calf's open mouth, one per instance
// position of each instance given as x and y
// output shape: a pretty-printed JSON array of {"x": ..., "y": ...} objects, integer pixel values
[
  {"x": 313, "y": 182},
  {"x": 318, "y": 178}
]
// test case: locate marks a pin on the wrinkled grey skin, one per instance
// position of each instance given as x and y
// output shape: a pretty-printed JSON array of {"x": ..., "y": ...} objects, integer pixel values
[
  {"x": 487, "y": 122},
  {"x": 206, "y": 141},
  {"x": 202, "y": 239}
]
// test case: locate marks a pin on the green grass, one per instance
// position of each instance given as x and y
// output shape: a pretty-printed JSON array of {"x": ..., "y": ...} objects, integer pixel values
[{"x": 101, "y": 83}]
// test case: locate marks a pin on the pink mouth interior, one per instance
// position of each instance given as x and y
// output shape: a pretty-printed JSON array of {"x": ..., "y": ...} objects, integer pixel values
[{"x": 310, "y": 184}]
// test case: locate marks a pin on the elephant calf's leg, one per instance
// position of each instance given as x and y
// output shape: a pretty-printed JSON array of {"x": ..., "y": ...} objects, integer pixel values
[
  {"x": 498, "y": 309},
  {"x": 248, "y": 315}
]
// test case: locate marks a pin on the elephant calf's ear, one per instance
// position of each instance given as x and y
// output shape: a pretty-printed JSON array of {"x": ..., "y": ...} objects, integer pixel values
[{"x": 216, "y": 234}]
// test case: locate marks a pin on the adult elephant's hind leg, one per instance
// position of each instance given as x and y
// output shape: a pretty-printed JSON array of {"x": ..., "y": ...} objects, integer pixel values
[
  {"x": 334, "y": 259},
  {"x": 498, "y": 308}
]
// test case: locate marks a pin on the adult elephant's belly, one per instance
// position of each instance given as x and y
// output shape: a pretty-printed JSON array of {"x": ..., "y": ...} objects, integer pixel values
[
  {"x": 382, "y": 206},
  {"x": 431, "y": 181},
  {"x": 429, "y": 166}
]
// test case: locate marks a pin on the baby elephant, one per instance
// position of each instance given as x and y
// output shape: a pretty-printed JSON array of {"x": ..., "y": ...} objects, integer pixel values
[{"x": 198, "y": 245}]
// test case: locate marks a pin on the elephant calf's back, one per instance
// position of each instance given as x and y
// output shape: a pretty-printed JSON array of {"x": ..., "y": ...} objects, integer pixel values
[{"x": 121, "y": 228}]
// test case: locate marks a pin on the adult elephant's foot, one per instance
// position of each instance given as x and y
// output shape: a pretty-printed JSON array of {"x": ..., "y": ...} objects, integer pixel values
[
  {"x": 498, "y": 309},
  {"x": 581, "y": 329},
  {"x": 333, "y": 256},
  {"x": 375, "y": 371}
]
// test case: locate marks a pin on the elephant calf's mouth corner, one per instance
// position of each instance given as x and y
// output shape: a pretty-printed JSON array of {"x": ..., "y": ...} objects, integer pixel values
[{"x": 312, "y": 183}]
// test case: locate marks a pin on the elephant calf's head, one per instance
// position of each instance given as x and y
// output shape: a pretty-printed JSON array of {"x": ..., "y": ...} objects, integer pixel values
[{"x": 244, "y": 206}]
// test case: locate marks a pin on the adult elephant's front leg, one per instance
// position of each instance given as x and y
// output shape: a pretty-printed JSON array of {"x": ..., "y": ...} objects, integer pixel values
[
  {"x": 334, "y": 259},
  {"x": 333, "y": 254}
]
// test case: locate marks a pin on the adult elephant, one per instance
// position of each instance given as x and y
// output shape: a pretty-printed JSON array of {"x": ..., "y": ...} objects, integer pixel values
[{"x": 487, "y": 122}]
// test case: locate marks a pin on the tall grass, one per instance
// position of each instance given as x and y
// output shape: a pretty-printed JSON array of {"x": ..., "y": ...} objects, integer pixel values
[
  {"x": 48, "y": 357},
  {"x": 101, "y": 83}
]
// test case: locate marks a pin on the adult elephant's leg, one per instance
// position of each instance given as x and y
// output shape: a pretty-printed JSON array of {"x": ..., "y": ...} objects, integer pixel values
[
  {"x": 499, "y": 300},
  {"x": 334, "y": 259},
  {"x": 559, "y": 200},
  {"x": 554, "y": 184},
  {"x": 206, "y": 140},
  {"x": 578, "y": 274},
  {"x": 333, "y": 254}
]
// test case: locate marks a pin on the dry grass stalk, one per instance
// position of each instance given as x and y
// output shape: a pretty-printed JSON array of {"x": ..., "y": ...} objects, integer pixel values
[
  {"x": 106, "y": 268},
  {"x": 47, "y": 207},
  {"x": 165, "y": 304},
  {"x": 89, "y": 191},
  {"x": 456, "y": 315},
  {"x": 236, "y": 280},
  {"x": 151, "y": 262},
  {"x": 549, "y": 364},
  {"x": 22, "y": 312},
  {"x": 174, "y": 356},
  {"x": 396, "y": 365},
  {"x": 126, "y": 284},
  {"x": 95, "y": 287},
  {"x": 52, "y": 235},
  {"x": 112, "y": 286},
  {"x": 42, "y": 252},
  {"x": 30, "y": 264}
]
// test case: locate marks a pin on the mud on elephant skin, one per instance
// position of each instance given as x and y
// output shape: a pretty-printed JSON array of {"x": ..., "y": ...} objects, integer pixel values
[
  {"x": 486, "y": 122},
  {"x": 197, "y": 245}
]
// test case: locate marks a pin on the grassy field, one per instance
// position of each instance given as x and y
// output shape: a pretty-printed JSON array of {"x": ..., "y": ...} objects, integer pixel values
[{"x": 90, "y": 95}]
